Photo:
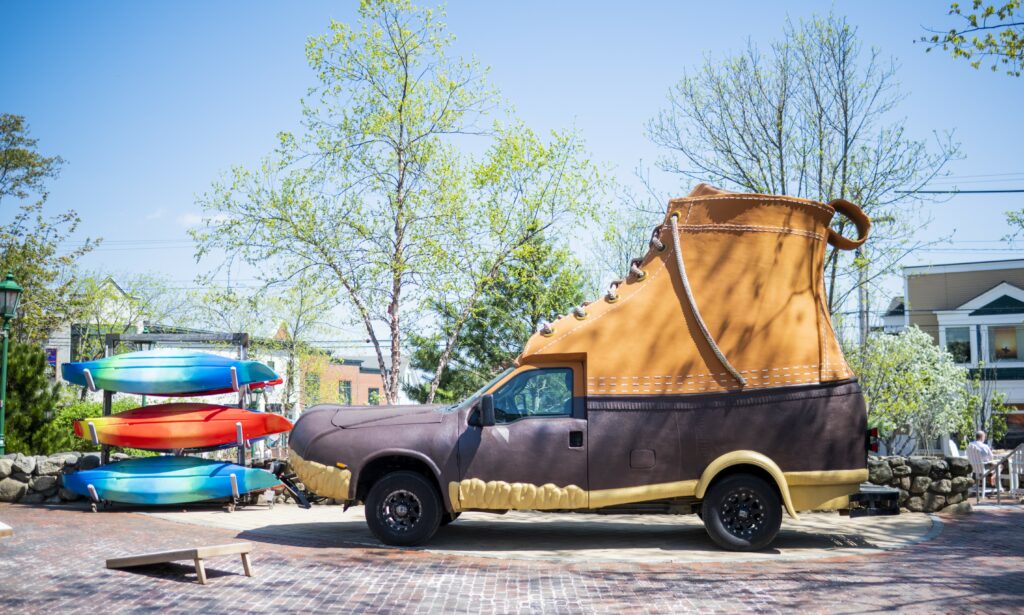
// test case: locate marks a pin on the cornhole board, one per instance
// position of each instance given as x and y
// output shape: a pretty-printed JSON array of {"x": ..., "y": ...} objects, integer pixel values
[
  {"x": 197, "y": 555},
  {"x": 5, "y": 530}
]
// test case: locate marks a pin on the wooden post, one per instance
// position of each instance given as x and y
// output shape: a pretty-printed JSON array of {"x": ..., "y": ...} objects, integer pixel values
[{"x": 200, "y": 570}]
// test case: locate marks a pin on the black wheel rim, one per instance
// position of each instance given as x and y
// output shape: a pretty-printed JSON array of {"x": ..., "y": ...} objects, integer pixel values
[
  {"x": 743, "y": 513},
  {"x": 401, "y": 510}
]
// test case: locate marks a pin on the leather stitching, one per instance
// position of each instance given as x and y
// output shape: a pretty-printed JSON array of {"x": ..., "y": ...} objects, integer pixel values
[
  {"x": 753, "y": 228},
  {"x": 698, "y": 199}
]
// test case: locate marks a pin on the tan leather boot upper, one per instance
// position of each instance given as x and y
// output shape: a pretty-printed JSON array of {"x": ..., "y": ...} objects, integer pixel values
[{"x": 755, "y": 265}]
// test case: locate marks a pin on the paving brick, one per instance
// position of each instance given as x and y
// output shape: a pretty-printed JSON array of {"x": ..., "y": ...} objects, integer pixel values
[{"x": 55, "y": 564}]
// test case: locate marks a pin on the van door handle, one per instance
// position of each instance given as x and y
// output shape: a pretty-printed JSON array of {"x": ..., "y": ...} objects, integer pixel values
[{"x": 575, "y": 439}]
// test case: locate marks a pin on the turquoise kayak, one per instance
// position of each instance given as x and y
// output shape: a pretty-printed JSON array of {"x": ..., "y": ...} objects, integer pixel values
[
  {"x": 169, "y": 372},
  {"x": 168, "y": 480}
]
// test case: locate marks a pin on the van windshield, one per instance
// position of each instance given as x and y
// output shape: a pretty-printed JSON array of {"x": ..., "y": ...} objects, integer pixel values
[{"x": 469, "y": 400}]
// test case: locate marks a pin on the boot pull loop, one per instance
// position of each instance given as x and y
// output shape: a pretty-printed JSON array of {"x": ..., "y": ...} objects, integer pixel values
[
  {"x": 859, "y": 219},
  {"x": 674, "y": 219}
]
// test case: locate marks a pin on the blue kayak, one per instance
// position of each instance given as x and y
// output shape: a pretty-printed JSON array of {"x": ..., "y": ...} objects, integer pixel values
[
  {"x": 168, "y": 372},
  {"x": 168, "y": 480}
]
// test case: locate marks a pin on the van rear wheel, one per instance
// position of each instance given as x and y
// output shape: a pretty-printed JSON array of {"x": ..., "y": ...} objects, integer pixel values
[
  {"x": 403, "y": 509},
  {"x": 742, "y": 512}
]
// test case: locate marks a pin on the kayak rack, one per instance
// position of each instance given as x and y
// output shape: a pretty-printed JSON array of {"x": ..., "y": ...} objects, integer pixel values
[
  {"x": 240, "y": 340},
  {"x": 89, "y": 380}
]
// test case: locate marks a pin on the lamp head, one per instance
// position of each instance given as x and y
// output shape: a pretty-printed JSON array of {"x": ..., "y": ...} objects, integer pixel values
[{"x": 10, "y": 296}]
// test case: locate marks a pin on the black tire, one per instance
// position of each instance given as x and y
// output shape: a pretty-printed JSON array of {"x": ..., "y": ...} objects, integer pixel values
[
  {"x": 742, "y": 513},
  {"x": 448, "y": 517},
  {"x": 403, "y": 509}
]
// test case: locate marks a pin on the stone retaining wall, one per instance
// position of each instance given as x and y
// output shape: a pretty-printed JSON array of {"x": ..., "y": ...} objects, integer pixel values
[
  {"x": 926, "y": 484},
  {"x": 39, "y": 479}
]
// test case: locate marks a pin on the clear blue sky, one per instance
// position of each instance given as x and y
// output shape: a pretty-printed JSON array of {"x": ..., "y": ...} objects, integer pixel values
[{"x": 150, "y": 101}]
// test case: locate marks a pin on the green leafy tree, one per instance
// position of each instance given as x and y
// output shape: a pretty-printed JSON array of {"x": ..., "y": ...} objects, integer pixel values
[
  {"x": 29, "y": 238},
  {"x": 988, "y": 31},
  {"x": 984, "y": 406},
  {"x": 124, "y": 304},
  {"x": 303, "y": 311},
  {"x": 911, "y": 385},
  {"x": 373, "y": 194},
  {"x": 810, "y": 116},
  {"x": 32, "y": 400},
  {"x": 537, "y": 283},
  {"x": 58, "y": 434}
]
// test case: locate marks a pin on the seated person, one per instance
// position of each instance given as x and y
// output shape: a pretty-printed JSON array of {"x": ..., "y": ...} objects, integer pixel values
[{"x": 984, "y": 452}]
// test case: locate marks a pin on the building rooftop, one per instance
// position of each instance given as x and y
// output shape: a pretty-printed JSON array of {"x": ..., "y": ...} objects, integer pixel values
[{"x": 1014, "y": 263}]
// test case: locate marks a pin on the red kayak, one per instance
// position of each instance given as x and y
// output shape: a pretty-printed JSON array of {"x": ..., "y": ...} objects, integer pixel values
[{"x": 174, "y": 426}]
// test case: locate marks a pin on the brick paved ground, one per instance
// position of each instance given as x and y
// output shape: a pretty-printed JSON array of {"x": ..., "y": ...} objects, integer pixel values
[{"x": 54, "y": 564}]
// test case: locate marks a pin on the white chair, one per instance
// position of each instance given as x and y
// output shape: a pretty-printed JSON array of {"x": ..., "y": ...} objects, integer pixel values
[
  {"x": 981, "y": 472},
  {"x": 1016, "y": 465},
  {"x": 949, "y": 448}
]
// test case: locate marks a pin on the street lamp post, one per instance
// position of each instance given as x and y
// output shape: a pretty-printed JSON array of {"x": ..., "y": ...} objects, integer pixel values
[{"x": 10, "y": 295}]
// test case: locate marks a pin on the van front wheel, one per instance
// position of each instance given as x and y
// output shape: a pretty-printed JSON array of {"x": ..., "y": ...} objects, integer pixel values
[
  {"x": 403, "y": 509},
  {"x": 742, "y": 513}
]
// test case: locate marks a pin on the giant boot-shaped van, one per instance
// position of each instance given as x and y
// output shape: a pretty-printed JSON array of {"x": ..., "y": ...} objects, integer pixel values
[{"x": 710, "y": 380}]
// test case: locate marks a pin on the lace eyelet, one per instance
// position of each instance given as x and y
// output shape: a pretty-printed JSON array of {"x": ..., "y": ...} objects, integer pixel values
[{"x": 611, "y": 297}]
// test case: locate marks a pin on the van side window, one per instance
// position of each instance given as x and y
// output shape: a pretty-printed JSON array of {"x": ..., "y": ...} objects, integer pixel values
[{"x": 536, "y": 393}]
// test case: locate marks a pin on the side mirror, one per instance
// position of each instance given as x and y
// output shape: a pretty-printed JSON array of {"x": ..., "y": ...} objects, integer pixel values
[{"x": 487, "y": 411}]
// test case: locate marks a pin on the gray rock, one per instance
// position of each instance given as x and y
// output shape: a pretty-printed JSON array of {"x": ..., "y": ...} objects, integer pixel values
[
  {"x": 903, "y": 483},
  {"x": 53, "y": 499},
  {"x": 43, "y": 483},
  {"x": 33, "y": 498},
  {"x": 12, "y": 490},
  {"x": 920, "y": 484},
  {"x": 89, "y": 461},
  {"x": 21, "y": 477},
  {"x": 961, "y": 484},
  {"x": 963, "y": 508},
  {"x": 24, "y": 464},
  {"x": 915, "y": 504},
  {"x": 49, "y": 466},
  {"x": 71, "y": 460},
  {"x": 119, "y": 456},
  {"x": 940, "y": 469},
  {"x": 897, "y": 462},
  {"x": 5, "y": 468},
  {"x": 901, "y": 471},
  {"x": 954, "y": 498},
  {"x": 959, "y": 466},
  {"x": 933, "y": 502},
  {"x": 942, "y": 486},
  {"x": 920, "y": 466},
  {"x": 67, "y": 495},
  {"x": 879, "y": 472}
]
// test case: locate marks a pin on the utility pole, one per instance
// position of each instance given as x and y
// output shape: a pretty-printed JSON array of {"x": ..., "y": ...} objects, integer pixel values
[{"x": 862, "y": 296}]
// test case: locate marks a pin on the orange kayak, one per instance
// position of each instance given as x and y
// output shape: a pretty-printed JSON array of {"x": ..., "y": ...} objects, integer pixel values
[{"x": 181, "y": 425}]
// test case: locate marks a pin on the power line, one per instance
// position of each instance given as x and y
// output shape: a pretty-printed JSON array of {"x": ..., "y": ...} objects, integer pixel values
[{"x": 1015, "y": 190}]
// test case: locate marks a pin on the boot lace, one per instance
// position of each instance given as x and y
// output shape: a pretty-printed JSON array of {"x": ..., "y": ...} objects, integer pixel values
[{"x": 580, "y": 312}]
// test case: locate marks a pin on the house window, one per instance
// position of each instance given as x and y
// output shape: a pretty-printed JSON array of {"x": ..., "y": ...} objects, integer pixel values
[
  {"x": 1004, "y": 342},
  {"x": 345, "y": 392},
  {"x": 958, "y": 343},
  {"x": 312, "y": 388},
  {"x": 373, "y": 397}
]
